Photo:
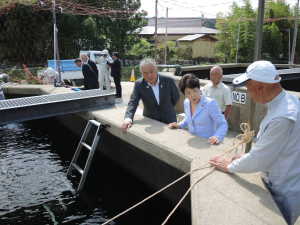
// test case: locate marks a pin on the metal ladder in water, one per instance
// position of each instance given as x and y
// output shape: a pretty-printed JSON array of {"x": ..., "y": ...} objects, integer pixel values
[{"x": 92, "y": 149}]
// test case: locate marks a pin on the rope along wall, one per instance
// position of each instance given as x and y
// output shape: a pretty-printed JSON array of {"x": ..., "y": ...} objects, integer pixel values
[{"x": 240, "y": 140}]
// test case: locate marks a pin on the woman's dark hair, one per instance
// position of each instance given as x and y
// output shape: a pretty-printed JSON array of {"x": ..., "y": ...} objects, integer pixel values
[{"x": 188, "y": 81}]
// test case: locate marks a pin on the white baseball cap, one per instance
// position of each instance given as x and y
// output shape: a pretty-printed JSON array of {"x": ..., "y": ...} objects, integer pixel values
[
  {"x": 261, "y": 71},
  {"x": 105, "y": 51}
]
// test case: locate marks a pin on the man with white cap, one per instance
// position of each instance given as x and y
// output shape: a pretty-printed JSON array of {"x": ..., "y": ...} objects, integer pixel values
[{"x": 277, "y": 150}]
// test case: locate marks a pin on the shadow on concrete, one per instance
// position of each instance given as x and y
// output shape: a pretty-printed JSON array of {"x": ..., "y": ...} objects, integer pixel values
[
  {"x": 257, "y": 190},
  {"x": 152, "y": 127},
  {"x": 198, "y": 142}
]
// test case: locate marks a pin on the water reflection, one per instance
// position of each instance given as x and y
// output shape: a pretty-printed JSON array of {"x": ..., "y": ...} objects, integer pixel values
[
  {"x": 34, "y": 189},
  {"x": 30, "y": 172}
]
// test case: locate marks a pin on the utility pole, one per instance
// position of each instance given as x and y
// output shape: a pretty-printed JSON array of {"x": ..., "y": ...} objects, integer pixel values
[
  {"x": 259, "y": 29},
  {"x": 166, "y": 36},
  {"x": 54, "y": 33},
  {"x": 295, "y": 34},
  {"x": 289, "y": 61},
  {"x": 237, "y": 44},
  {"x": 55, "y": 46},
  {"x": 257, "y": 56},
  {"x": 155, "y": 31}
]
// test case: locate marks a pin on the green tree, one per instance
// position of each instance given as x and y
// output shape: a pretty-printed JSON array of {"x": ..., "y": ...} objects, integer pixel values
[
  {"x": 171, "y": 51},
  {"x": 276, "y": 33},
  {"x": 272, "y": 37},
  {"x": 26, "y": 30},
  {"x": 241, "y": 23},
  {"x": 238, "y": 24},
  {"x": 184, "y": 52},
  {"x": 119, "y": 31},
  {"x": 141, "y": 49},
  {"x": 24, "y": 35}
]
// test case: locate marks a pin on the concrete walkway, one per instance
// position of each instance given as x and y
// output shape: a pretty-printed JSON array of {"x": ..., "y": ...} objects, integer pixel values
[{"x": 220, "y": 199}]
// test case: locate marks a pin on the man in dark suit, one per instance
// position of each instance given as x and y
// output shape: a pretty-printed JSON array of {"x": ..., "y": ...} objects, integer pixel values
[
  {"x": 116, "y": 73},
  {"x": 158, "y": 93},
  {"x": 89, "y": 72}
]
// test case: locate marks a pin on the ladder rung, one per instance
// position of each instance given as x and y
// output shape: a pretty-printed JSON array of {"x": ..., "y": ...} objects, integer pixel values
[
  {"x": 96, "y": 123},
  {"x": 86, "y": 146},
  {"x": 77, "y": 168},
  {"x": 91, "y": 149}
]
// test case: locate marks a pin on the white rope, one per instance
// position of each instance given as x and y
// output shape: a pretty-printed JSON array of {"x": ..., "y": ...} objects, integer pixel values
[
  {"x": 154, "y": 194},
  {"x": 185, "y": 194},
  {"x": 52, "y": 216},
  {"x": 243, "y": 138}
]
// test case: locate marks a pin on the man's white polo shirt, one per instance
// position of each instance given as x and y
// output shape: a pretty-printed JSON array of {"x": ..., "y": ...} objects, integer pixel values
[{"x": 221, "y": 93}]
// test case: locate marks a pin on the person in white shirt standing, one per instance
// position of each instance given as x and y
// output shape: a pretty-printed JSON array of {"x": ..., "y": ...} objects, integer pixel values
[
  {"x": 276, "y": 152},
  {"x": 104, "y": 70},
  {"x": 218, "y": 91}
]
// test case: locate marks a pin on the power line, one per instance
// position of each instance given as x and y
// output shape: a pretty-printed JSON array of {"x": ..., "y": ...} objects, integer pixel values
[{"x": 70, "y": 7}]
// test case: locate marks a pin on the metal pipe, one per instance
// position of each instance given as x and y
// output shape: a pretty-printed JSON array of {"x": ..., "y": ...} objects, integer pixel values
[
  {"x": 55, "y": 46},
  {"x": 54, "y": 33},
  {"x": 155, "y": 29},
  {"x": 289, "y": 55},
  {"x": 237, "y": 45},
  {"x": 257, "y": 56},
  {"x": 259, "y": 30},
  {"x": 166, "y": 36},
  {"x": 295, "y": 34}
]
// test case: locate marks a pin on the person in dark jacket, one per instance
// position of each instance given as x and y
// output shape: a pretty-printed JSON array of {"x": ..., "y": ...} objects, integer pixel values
[
  {"x": 158, "y": 93},
  {"x": 89, "y": 72},
  {"x": 116, "y": 73}
]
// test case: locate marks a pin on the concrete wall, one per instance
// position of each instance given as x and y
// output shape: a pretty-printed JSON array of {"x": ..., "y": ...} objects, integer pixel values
[
  {"x": 148, "y": 168},
  {"x": 240, "y": 111},
  {"x": 158, "y": 155}
]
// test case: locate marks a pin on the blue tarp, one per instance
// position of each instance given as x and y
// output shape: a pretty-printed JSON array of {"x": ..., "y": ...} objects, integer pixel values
[{"x": 65, "y": 65}]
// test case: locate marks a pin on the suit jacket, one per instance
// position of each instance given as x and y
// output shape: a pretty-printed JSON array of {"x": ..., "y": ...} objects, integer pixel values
[
  {"x": 115, "y": 68},
  {"x": 207, "y": 120},
  {"x": 168, "y": 97},
  {"x": 90, "y": 75}
]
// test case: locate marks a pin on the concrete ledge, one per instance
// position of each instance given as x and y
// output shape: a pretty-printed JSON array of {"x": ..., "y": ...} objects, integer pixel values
[
  {"x": 30, "y": 89},
  {"x": 15, "y": 89},
  {"x": 217, "y": 200},
  {"x": 224, "y": 199}
]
